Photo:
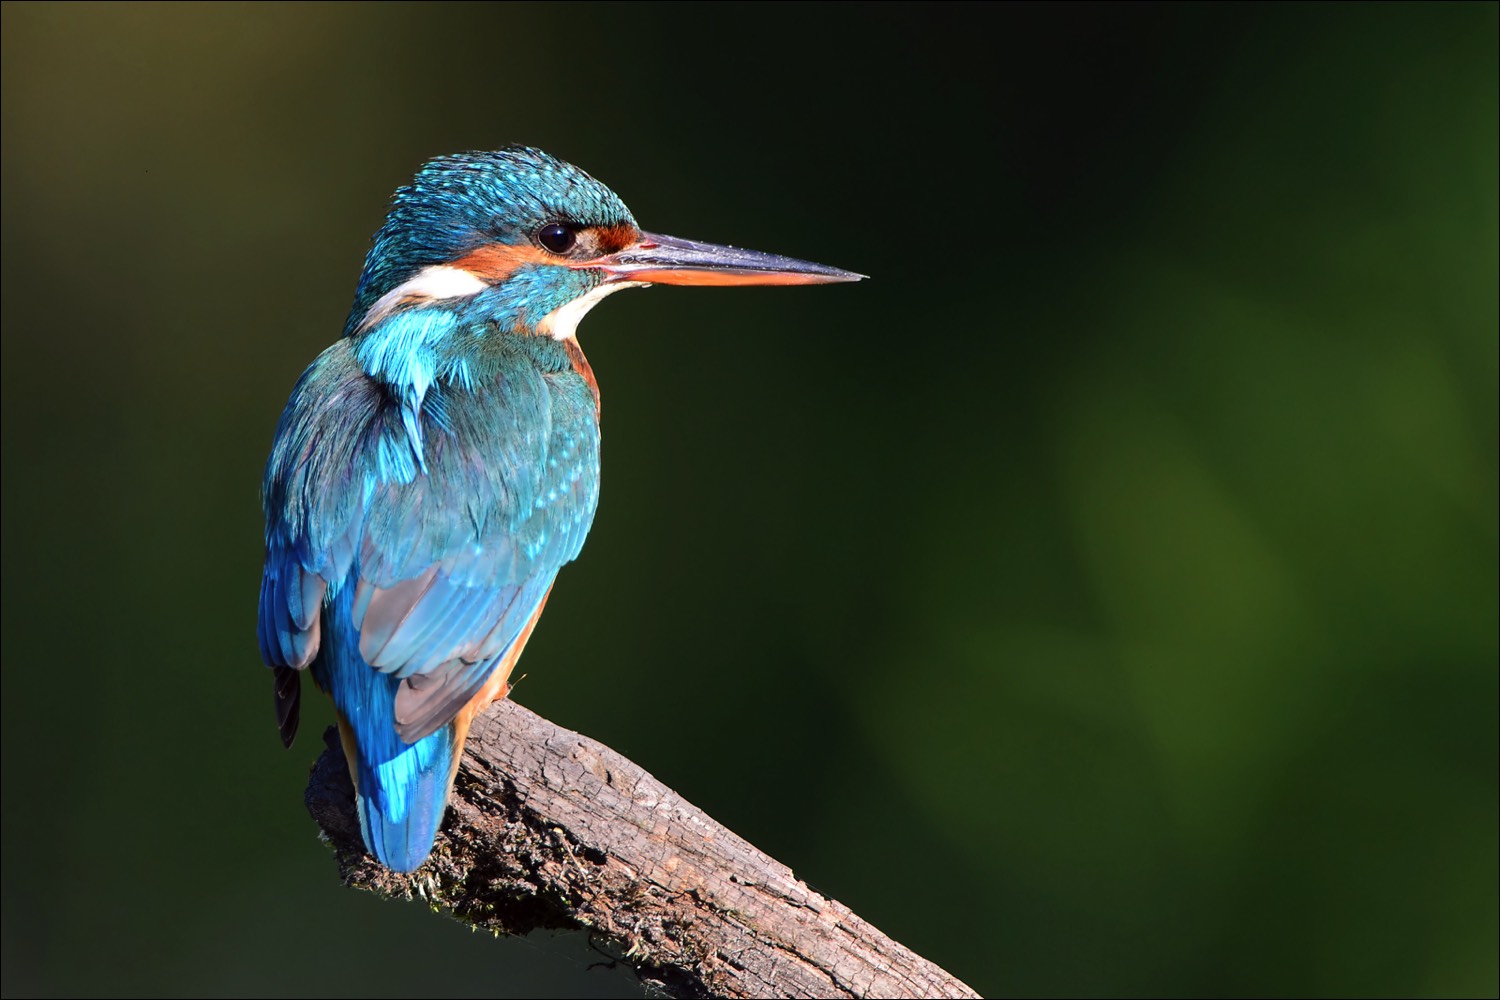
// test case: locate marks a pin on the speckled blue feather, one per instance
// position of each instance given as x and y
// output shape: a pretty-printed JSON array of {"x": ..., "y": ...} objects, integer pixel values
[
  {"x": 430, "y": 475},
  {"x": 435, "y": 469},
  {"x": 458, "y": 203},
  {"x": 462, "y": 553}
]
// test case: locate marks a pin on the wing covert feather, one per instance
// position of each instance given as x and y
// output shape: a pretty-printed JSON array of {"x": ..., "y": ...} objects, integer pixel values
[{"x": 450, "y": 565}]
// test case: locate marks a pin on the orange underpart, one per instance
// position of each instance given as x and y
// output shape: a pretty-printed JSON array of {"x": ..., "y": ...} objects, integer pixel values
[
  {"x": 497, "y": 687},
  {"x": 582, "y": 367}
]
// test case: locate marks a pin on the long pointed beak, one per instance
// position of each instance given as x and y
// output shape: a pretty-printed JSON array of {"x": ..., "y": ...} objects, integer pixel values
[{"x": 667, "y": 260}]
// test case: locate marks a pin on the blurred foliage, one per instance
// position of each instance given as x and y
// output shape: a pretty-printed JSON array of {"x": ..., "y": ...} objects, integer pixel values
[{"x": 1101, "y": 599}]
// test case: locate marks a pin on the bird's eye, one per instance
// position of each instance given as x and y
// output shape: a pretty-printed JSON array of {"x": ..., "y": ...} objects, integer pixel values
[{"x": 557, "y": 237}]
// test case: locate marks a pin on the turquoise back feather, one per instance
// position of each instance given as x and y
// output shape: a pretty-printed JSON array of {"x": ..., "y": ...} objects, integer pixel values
[{"x": 408, "y": 550}]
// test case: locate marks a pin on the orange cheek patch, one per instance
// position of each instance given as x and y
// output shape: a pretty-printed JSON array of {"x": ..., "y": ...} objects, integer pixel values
[
  {"x": 495, "y": 262},
  {"x": 613, "y": 239}
]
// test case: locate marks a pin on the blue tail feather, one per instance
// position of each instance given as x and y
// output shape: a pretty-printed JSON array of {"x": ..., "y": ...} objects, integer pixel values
[
  {"x": 401, "y": 801},
  {"x": 402, "y": 787}
]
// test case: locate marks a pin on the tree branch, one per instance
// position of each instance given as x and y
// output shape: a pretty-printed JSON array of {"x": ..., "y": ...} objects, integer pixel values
[{"x": 552, "y": 829}]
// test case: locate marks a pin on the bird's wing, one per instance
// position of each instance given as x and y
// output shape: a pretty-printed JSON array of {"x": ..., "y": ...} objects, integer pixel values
[{"x": 449, "y": 561}]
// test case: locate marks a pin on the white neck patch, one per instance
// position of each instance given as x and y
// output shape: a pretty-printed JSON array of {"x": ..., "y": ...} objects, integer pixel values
[
  {"x": 562, "y": 322},
  {"x": 436, "y": 282}
]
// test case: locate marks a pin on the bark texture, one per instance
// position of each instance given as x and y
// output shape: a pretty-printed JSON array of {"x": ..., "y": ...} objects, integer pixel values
[{"x": 552, "y": 829}]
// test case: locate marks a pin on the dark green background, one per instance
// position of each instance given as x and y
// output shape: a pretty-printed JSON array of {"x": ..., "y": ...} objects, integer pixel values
[{"x": 1101, "y": 599}]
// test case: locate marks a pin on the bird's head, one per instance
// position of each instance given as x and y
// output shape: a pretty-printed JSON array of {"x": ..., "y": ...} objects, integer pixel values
[{"x": 533, "y": 243}]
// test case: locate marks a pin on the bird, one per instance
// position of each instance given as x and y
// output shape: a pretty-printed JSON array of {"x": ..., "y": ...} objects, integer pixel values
[{"x": 435, "y": 468}]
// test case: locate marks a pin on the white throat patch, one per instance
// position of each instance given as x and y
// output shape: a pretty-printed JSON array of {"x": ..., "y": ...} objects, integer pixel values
[{"x": 562, "y": 322}]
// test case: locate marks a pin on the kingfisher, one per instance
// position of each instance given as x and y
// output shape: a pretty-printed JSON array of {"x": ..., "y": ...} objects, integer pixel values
[{"x": 436, "y": 467}]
